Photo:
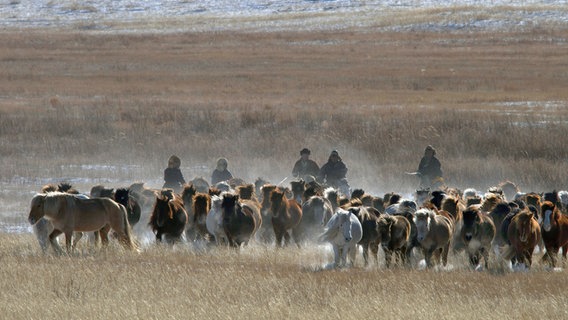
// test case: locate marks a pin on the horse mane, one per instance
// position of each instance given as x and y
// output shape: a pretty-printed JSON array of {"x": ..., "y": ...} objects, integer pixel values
[
  {"x": 357, "y": 193},
  {"x": 188, "y": 192},
  {"x": 121, "y": 196},
  {"x": 201, "y": 205},
  {"x": 67, "y": 188},
  {"x": 247, "y": 192},
  {"x": 332, "y": 195},
  {"x": 50, "y": 187},
  {"x": 451, "y": 205}
]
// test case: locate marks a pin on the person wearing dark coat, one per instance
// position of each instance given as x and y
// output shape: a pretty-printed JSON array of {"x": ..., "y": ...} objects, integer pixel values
[
  {"x": 334, "y": 172},
  {"x": 430, "y": 169},
  {"x": 173, "y": 178},
  {"x": 305, "y": 168},
  {"x": 221, "y": 173}
]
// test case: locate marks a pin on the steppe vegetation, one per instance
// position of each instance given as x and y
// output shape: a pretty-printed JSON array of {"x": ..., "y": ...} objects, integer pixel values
[{"x": 493, "y": 104}]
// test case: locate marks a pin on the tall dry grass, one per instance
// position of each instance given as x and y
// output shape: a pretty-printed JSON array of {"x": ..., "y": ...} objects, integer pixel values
[
  {"x": 111, "y": 108},
  {"x": 256, "y": 283}
]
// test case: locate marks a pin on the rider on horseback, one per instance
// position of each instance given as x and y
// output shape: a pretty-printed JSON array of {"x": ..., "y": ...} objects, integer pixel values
[{"x": 333, "y": 173}]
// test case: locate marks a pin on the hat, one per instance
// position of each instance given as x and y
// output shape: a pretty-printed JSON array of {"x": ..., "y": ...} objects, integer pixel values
[
  {"x": 334, "y": 153},
  {"x": 305, "y": 151},
  {"x": 430, "y": 148}
]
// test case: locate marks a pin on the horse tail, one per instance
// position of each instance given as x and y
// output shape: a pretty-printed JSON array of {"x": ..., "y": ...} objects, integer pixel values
[{"x": 129, "y": 238}]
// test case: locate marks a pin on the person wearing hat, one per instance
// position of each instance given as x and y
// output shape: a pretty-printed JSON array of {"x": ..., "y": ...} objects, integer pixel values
[
  {"x": 173, "y": 178},
  {"x": 305, "y": 168},
  {"x": 430, "y": 169},
  {"x": 333, "y": 173},
  {"x": 221, "y": 173}
]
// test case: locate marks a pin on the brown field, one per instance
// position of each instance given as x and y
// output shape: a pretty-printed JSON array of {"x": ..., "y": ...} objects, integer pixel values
[{"x": 111, "y": 108}]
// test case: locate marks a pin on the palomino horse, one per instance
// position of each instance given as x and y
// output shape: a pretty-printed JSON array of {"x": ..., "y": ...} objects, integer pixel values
[
  {"x": 554, "y": 229},
  {"x": 433, "y": 233},
  {"x": 240, "y": 221},
  {"x": 68, "y": 213},
  {"x": 394, "y": 237},
  {"x": 477, "y": 233},
  {"x": 286, "y": 215},
  {"x": 343, "y": 231},
  {"x": 524, "y": 235},
  {"x": 168, "y": 218}
]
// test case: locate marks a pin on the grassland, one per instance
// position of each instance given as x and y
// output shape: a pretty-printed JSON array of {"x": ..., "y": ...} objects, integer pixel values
[{"x": 493, "y": 104}]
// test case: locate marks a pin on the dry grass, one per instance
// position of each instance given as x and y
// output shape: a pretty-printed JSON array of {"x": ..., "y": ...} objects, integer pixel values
[
  {"x": 259, "y": 282},
  {"x": 96, "y": 108}
]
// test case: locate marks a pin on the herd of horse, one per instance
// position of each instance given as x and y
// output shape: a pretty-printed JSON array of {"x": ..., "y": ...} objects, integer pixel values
[{"x": 501, "y": 224}]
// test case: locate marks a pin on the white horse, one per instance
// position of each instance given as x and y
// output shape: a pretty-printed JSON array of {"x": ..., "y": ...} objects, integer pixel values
[
  {"x": 214, "y": 221},
  {"x": 343, "y": 231}
]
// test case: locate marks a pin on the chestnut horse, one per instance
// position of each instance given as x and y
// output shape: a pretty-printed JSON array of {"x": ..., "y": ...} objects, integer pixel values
[
  {"x": 286, "y": 215},
  {"x": 68, "y": 213},
  {"x": 523, "y": 235},
  {"x": 201, "y": 207},
  {"x": 168, "y": 217},
  {"x": 554, "y": 229}
]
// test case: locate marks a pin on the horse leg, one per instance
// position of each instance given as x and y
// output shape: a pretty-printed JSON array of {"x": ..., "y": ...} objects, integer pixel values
[
  {"x": 388, "y": 257},
  {"x": 444, "y": 254},
  {"x": 104, "y": 235},
  {"x": 286, "y": 238},
  {"x": 485, "y": 254},
  {"x": 53, "y": 240},
  {"x": 375, "y": 252},
  {"x": 68, "y": 241},
  {"x": 352, "y": 251},
  {"x": 336, "y": 252},
  {"x": 428, "y": 257},
  {"x": 365, "y": 253},
  {"x": 77, "y": 236}
]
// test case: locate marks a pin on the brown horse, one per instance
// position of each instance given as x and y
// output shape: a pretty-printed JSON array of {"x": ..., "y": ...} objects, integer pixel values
[
  {"x": 394, "y": 237},
  {"x": 68, "y": 213},
  {"x": 201, "y": 207},
  {"x": 477, "y": 233},
  {"x": 433, "y": 233},
  {"x": 286, "y": 215},
  {"x": 266, "y": 233},
  {"x": 316, "y": 212},
  {"x": 524, "y": 235},
  {"x": 554, "y": 229},
  {"x": 168, "y": 218},
  {"x": 369, "y": 225},
  {"x": 239, "y": 220},
  {"x": 298, "y": 188},
  {"x": 122, "y": 196}
]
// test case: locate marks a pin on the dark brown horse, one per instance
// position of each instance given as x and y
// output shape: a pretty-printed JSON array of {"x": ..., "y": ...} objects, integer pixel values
[
  {"x": 239, "y": 221},
  {"x": 477, "y": 233},
  {"x": 286, "y": 215},
  {"x": 168, "y": 218},
  {"x": 370, "y": 226},
  {"x": 554, "y": 229},
  {"x": 316, "y": 212},
  {"x": 523, "y": 235},
  {"x": 122, "y": 196},
  {"x": 394, "y": 237}
]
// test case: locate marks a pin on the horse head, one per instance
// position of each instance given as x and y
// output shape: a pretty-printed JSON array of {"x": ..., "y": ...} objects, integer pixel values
[
  {"x": 346, "y": 225},
  {"x": 385, "y": 223},
  {"x": 162, "y": 211},
  {"x": 121, "y": 196},
  {"x": 422, "y": 219},
  {"x": 37, "y": 208},
  {"x": 471, "y": 220},
  {"x": 549, "y": 211},
  {"x": 524, "y": 224},
  {"x": 230, "y": 205},
  {"x": 277, "y": 200}
]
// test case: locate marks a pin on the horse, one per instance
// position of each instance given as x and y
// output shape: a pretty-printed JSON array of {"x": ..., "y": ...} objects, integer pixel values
[
  {"x": 201, "y": 207},
  {"x": 316, "y": 212},
  {"x": 187, "y": 194},
  {"x": 498, "y": 215},
  {"x": 214, "y": 221},
  {"x": 298, "y": 188},
  {"x": 477, "y": 233},
  {"x": 200, "y": 184},
  {"x": 100, "y": 191},
  {"x": 343, "y": 231},
  {"x": 239, "y": 220},
  {"x": 433, "y": 233},
  {"x": 524, "y": 235},
  {"x": 286, "y": 215},
  {"x": 554, "y": 229},
  {"x": 247, "y": 192},
  {"x": 394, "y": 237},
  {"x": 121, "y": 195},
  {"x": 168, "y": 218},
  {"x": 509, "y": 190},
  {"x": 68, "y": 213},
  {"x": 369, "y": 225}
]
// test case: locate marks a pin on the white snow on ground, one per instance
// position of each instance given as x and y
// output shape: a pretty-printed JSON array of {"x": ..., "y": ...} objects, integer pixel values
[{"x": 204, "y": 15}]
